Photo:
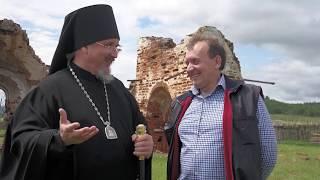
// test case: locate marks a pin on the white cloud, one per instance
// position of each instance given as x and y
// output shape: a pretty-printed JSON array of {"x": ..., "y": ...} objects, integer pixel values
[
  {"x": 289, "y": 28},
  {"x": 44, "y": 43},
  {"x": 295, "y": 81},
  {"x": 124, "y": 67}
]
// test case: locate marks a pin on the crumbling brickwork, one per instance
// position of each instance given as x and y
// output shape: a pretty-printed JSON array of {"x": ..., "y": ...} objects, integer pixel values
[
  {"x": 20, "y": 68},
  {"x": 161, "y": 76}
]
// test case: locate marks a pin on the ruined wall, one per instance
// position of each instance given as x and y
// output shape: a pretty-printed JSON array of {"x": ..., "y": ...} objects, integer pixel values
[
  {"x": 161, "y": 64},
  {"x": 161, "y": 76},
  {"x": 20, "y": 68}
]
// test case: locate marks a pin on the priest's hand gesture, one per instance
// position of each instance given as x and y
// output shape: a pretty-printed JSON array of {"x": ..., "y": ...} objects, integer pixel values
[{"x": 70, "y": 132}]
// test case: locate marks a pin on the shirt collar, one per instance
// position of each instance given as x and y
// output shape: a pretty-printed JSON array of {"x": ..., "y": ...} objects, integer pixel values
[{"x": 221, "y": 82}]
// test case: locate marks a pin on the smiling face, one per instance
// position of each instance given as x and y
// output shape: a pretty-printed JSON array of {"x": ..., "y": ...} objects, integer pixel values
[
  {"x": 202, "y": 70},
  {"x": 102, "y": 54},
  {"x": 98, "y": 57}
]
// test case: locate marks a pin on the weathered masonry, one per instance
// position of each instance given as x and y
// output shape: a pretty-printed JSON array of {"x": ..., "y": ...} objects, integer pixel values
[
  {"x": 20, "y": 68},
  {"x": 161, "y": 76}
]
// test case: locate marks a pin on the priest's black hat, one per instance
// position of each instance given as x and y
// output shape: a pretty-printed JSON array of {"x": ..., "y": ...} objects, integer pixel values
[{"x": 83, "y": 27}]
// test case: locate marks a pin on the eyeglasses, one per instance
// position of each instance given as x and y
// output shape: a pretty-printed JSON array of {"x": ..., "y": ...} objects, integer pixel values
[{"x": 111, "y": 46}]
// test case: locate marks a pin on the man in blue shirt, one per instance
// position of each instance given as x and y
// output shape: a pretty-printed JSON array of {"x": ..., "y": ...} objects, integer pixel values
[{"x": 221, "y": 128}]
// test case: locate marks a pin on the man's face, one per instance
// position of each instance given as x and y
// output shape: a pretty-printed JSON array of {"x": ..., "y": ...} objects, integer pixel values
[
  {"x": 202, "y": 70},
  {"x": 102, "y": 53}
]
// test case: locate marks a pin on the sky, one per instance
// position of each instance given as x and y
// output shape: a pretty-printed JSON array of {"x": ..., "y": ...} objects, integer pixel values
[{"x": 275, "y": 40}]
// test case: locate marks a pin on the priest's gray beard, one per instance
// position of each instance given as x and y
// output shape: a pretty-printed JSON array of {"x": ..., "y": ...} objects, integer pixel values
[{"x": 104, "y": 76}]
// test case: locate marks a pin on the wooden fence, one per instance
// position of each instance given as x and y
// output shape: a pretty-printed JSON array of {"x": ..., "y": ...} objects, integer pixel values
[{"x": 296, "y": 131}]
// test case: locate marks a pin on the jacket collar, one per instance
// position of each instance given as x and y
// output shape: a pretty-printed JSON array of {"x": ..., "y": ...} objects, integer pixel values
[{"x": 233, "y": 85}]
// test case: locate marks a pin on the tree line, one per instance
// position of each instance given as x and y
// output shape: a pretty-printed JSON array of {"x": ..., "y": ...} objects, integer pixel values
[
  {"x": 275, "y": 107},
  {"x": 301, "y": 109}
]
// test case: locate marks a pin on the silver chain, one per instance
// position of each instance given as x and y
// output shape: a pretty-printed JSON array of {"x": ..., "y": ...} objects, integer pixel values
[{"x": 106, "y": 123}]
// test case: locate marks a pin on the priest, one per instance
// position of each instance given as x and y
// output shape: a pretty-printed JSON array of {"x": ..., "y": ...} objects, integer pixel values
[{"x": 79, "y": 122}]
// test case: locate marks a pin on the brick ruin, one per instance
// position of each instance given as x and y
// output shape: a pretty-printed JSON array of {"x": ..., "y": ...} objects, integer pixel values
[
  {"x": 161, "y": 76},
  {"x": 20, "y": 68}
]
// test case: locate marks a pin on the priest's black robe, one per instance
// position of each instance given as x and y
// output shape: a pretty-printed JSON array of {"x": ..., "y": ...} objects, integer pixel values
[{"x": 33, "y": 149}]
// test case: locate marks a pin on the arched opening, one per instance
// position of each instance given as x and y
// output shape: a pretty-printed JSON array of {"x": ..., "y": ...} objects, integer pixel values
[
  {"x": 157, "y": 110},
  {"x": 3, "y": 116},
  {"x": 2, "y": 102}
]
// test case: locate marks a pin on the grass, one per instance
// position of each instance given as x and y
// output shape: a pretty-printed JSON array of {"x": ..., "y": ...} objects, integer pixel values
[
  {"x": 2, "y": 131},
  {"x": 159, "y": 166},
  {"x": 2, "y": 134},
  {"x": 296, "y": 161}
]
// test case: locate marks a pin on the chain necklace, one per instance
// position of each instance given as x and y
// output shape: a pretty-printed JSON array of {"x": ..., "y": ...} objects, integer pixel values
[{"x": 109, "y": 131}]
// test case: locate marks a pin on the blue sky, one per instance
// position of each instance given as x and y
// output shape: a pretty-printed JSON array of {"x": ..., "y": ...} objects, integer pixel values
[
  {"x": 254, "y": 56},
  {"x": 275, "y": 41}
]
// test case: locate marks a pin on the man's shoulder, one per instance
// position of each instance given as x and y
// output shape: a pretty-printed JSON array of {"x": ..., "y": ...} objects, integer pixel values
[
  {"x": 56, "y": 79},
  {"x": 184, "y": 95},
  {"x": 248, "y": 91},
  {"x": 116, "y": 81},
  {"x": 252, "y": 88},
  {"x": 117, "y": 84},
  {"x": 241, "y": 85}
]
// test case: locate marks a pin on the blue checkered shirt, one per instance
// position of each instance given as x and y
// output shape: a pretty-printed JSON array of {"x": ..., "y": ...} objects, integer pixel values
[{"x": 200, "y": 131}]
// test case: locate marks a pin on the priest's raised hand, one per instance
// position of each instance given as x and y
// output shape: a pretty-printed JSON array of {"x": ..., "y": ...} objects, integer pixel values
[{"x": 70, "y": 133}]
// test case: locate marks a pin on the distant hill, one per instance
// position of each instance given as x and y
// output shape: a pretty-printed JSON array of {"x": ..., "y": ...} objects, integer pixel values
[{"x": 301, "y": 109}]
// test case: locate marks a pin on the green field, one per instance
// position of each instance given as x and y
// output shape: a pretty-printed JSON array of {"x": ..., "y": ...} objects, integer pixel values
[
  {"x": 2, "y": 133},
  {"x": 159, "y": 166},
  {"x": 296, "y": 161}
]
